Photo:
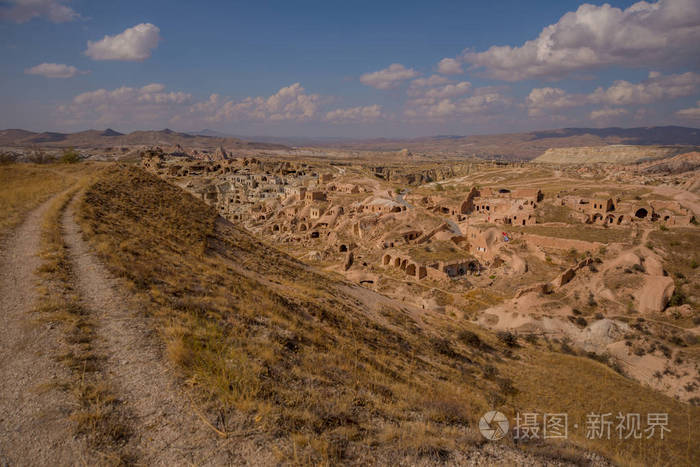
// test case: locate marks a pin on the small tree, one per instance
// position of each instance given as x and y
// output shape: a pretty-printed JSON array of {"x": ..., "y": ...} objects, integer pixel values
[{"x": 70, "y": 156}]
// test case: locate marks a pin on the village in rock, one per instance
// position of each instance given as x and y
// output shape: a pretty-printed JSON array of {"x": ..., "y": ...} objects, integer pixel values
[{"x": 542, "y": 248}]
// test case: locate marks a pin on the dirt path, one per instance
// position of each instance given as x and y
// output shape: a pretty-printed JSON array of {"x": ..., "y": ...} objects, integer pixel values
[
  {"x": 34, "y": 424},
  {"x": 166, "y": 427}
]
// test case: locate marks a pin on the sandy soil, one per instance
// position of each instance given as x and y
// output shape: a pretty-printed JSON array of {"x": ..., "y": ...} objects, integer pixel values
[{"x": 34, "y": 424}]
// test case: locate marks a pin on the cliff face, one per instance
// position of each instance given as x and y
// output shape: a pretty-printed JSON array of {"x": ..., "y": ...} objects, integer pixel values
[{"x": 614, "y": 154}]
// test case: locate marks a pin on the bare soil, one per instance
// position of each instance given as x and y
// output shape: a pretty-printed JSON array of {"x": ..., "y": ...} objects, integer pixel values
[{"x": 34, "y": 412}]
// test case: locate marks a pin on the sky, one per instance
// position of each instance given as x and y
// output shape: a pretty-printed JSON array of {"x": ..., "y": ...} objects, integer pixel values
[{"x": 360, "y": 69}]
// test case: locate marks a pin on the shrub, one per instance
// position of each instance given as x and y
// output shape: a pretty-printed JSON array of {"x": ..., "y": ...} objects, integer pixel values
[
  {"x": 677, "y": 298},
  {"x": 506, "y": 387},
  {"x": 591, "y": 300},
  {"x": 531, "y": 338},
  {"x": 6, "y": 158},
  {"x": 70, "y": 156},
  {"x": 38, "y": 156},
  {"x": 566, "y": 348},
  {"x": 471, "y": 339},
  {"x": 490, "y": 371},
  {"x": 508, "y": 338}
]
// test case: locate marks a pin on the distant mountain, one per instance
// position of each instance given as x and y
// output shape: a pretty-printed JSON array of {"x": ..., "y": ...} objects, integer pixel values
[
  {"x": 111, "y": 138},
  {"x": 212, "y": 133},
  {"x": 110, "y": 132},
  {"x": 526, "y": 146},
  {"x": 285, "y": 140},
  {"x": 511, "y": 146},
  {"x": 641, "y": 135}
]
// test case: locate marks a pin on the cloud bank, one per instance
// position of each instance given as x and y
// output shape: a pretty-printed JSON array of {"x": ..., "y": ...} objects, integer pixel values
[{"x": 594, "y": 36}]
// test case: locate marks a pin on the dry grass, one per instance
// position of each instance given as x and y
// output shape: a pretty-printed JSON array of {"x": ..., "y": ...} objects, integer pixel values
[
  {"x": 578, "y": 232},
  {"x": 25, "y": 186},
  {"x": 553, "y": 383},
  {"x": 680, "y": 250},
  {"x": 98, "y": 415},
  {"x": 294, "y": 358}
]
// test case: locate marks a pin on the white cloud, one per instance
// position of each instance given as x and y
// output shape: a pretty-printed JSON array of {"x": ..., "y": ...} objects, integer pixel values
[
  {"x": 289, "y": 103},
  {"x": 485, "y": 101},
  {"x": 134, "y": 44},
  {"x": 450, "y": 66},
  {"x": 541, "y": 100},
  {"x": 432, "y": 80},
  {"x": 449, "y": 90},
  {"x": 692, "y": 113},
  {"x": 53, "y": 70},
  {"x": 150, "y": 104},
  {"x": 608, "y": 114},
  {"x": 645, "y": 34},
  {"x": 364, "y": 114},
  {"x": 388, "y": 77},
  {"x": 656, "y": 87},
  {"x": 21, "y": 11}
]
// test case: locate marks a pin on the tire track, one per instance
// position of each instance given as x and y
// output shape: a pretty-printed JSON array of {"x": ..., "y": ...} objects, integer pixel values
[
  {"x": 35, "y": 428},
  {"x": 165, "y": 427}
]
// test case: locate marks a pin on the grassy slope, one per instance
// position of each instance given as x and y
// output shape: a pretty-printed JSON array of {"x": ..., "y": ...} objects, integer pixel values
[
  {"x": 25, "y": 186},
  {"x": 96, "y": 415},
  {"x": 317, "y": 376}
]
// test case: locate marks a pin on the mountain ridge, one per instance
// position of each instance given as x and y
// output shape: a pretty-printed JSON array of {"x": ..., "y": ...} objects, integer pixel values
[{"x": 110, "y": 138}]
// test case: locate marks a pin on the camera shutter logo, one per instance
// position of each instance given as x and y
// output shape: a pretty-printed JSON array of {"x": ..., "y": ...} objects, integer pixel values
[{"x": 493, "y": 425}]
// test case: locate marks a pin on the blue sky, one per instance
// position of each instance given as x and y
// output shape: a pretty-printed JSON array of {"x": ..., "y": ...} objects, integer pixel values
[{"x": 357, "y": 69}]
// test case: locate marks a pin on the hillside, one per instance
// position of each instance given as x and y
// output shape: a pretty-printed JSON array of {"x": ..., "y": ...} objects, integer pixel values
[
  {"x": 110, "y": 138},
  {"x": 678, "y": 164},
  {"x": 612, "y": 154},
  {"x": 321, "y": 371},
  {"x": 529, "y": 145}
]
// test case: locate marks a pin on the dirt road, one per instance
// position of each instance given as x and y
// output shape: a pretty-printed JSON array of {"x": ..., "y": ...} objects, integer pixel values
[{"x": 34, "y": 424}]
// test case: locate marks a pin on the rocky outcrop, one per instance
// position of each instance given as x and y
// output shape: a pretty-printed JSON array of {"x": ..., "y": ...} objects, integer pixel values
[
  {"x": 417, "y": 176},
  {"x": 613, "y": 154},
  {"x": 220, "y": 154},
  {"x": 566, "y": 276},
  {"x": 675, "y": 165},
  {"x": 654, "y": 296}
]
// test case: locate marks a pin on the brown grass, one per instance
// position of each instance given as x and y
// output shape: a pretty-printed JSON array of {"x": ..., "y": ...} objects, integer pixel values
[
  {"x": 680, "y": 250},
  {"x": 293, "y": 357},
  {"x": 98, "y": 415},
  {"x": 551, "y": 383},
  {"x": 578, "y": 232},
  {"x": 25, "y": 186}
]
